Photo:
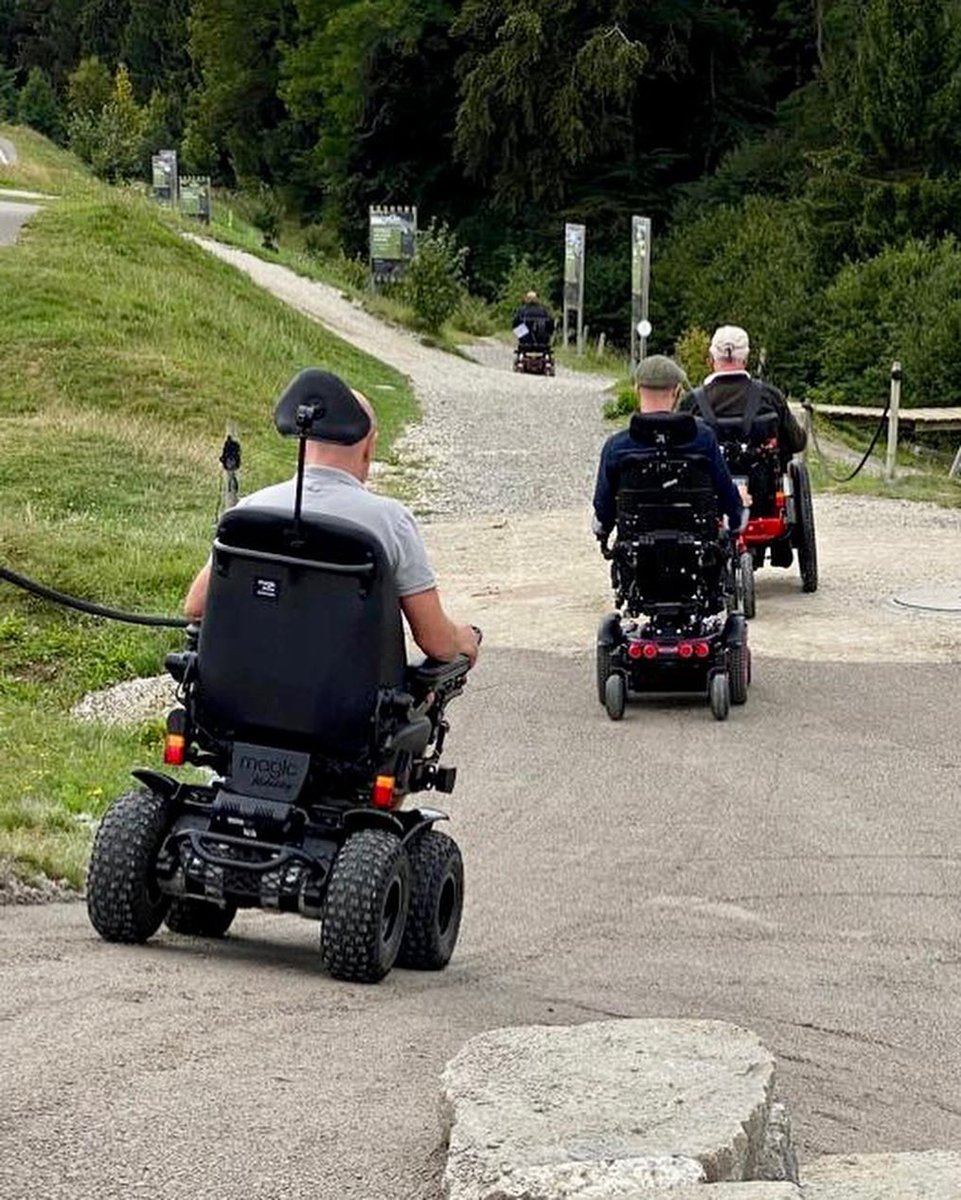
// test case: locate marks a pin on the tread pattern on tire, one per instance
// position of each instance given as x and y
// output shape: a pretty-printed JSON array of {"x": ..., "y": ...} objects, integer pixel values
[
  {"x": 603, "y": 670},
  {"x": 748, "y": 594},
  {"x": 738, "y": 673},
  {"x": 433, "y": 857},
  {"x": 351, "y": 943},
  {"x": 199, "y": 918},
  {"x": 805, "y": 540},
  {"x": 120, "y": 903}
]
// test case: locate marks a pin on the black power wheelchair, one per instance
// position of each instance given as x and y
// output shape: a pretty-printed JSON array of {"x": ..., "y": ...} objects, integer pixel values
[
  {"x": 296, "y": 694},
  {"x": 533, "y": 354},
  {"x": 679, "y": 626}
]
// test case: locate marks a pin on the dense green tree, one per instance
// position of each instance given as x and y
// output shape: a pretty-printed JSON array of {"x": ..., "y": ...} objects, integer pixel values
[
  {"x": 236, "y": 119},
  {"x": 89, "y": 88},
  {"x": 38, "y": 107}
]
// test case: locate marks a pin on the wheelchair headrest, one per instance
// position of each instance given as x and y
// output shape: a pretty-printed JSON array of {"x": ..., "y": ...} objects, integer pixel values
[
  {"x": 663, "y": 429},
  {"x": 318, "y": 405}
]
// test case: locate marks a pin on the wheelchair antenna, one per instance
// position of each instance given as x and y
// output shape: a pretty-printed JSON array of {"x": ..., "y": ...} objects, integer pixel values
[{"x": 305, "y": 422}]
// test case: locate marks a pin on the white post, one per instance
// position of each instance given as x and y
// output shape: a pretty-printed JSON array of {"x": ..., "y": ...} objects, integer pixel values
[{"x": 893, "y": 421}]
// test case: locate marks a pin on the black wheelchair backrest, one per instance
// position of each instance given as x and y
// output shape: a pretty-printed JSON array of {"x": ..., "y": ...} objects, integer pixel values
[
  {"x": 663, "y": 430},
  {"x": 762, "y": 429},
  {"x": 301, "y": 632},
  {"x": 665, "y": 487}
]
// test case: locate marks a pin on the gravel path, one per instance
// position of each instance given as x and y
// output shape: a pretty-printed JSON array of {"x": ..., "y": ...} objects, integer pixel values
[{"x": 489, "y": 441}]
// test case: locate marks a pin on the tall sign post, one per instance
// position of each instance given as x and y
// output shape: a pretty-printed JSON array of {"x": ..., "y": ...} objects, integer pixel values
[
  {"x": 574, "y": 245},
  {"x": 393, "y": 241},
  {"x": 164, "y": 178},
  {"x": 640, "y": 286}
]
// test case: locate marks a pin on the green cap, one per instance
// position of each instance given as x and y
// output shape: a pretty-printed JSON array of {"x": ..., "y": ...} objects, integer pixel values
[{"x": 659, "y": 372}]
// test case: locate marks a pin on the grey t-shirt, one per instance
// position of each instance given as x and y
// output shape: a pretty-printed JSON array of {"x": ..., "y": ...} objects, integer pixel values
[{"x": 338, "y": 494}]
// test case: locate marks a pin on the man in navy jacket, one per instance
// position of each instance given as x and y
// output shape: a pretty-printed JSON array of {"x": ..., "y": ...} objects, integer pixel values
[{"x": 659, "y": 382}]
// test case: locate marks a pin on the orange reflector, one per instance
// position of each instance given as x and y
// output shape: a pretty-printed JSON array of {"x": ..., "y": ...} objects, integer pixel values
[
  {"x": 383, "y": 796},
  {"x": 174, "y": 749}
]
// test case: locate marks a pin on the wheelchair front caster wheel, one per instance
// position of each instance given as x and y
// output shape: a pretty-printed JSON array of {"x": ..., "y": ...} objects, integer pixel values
[
  {"x": 615, "y": 696},
  {"x": 720, "y": 695}
]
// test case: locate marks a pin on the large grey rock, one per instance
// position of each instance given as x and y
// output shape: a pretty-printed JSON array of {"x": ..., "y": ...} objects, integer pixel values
[
  {"x": 610, "y": 1108},
  {"x": 927, "y": 1175}
]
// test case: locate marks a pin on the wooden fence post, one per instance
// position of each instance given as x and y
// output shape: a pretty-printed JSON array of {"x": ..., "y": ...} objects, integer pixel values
[{"x": 891, "y": 460}]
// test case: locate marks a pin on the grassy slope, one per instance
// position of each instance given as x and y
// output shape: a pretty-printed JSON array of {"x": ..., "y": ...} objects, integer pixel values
[{"x": 125, "y": 351}]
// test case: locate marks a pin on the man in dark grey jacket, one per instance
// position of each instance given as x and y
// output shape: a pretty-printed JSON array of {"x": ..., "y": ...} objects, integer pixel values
[{"x": 729, "y": 391}]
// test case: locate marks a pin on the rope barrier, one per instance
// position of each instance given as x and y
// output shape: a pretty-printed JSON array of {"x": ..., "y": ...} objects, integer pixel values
[{"x": 809, "y": 408}]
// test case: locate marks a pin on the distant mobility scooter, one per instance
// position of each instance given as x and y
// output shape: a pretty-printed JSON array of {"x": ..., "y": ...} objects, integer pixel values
[
  {"x": 297, "y": 695},
  {"x": 679, "y": 626},
  {"x": 533, "y": 354}
]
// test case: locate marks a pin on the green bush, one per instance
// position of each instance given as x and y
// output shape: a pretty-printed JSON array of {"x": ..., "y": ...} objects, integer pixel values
[
  {"x": 435, "y": 277},
  {"x": 623, "y": 402},
  {"x": 37, "y": 105},
  {"x": 475, "y": 316},
  {"x": 320, "y": 241},
  {"x": 523, "y": 276},
  {"x": 691, "y": 351},
  {"x": 905, "y": 305},
  {"x": 266, "y": 215}
]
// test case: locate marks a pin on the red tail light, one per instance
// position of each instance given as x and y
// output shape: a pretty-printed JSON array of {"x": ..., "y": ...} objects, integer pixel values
[
  {"x": 383, "y": 793},
  {"x": 634, "y": 649},
  {"x": 702, "y": 649},
  {"x": 174, "y": 744},
  {"x": 650, "y": 650},
  {"x": 684, "y": 649}
]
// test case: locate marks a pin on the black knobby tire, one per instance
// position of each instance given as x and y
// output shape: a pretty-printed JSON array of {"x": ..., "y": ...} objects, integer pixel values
[
  {"x": 199, "y": 918},
  {"x": 604, "y": 669},
  {"x": 436, "y": 902},
  {"x": 124, "y": 902},
  {"x": 719, "y": 693},
  {"x": 802, "y": 535},
  {"x": 615, "y": 695},
  {"x": 739, "y": 672},
  {"x": 748, "y": 595},
  {"x": 366, "y": 906}
]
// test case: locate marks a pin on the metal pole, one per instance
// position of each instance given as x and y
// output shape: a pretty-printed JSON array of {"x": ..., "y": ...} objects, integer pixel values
[
  {"x": 580, "y": 297},
  {"x": 893, "y": 421}
]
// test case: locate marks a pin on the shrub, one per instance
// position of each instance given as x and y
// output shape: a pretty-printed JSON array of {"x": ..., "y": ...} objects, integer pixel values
[
  {"x": 475, "y": 316},
  {"x": 38, "y": 107},
  {"x": 748, "y": 265},
  {"x": 904, "y": 304},
  {"x": 691, "y": 351},
  {"x": 435, "y": 277},
  {"x": 320, "y": 241},
  {"x": 266, "y": 215},
  {"x": 523, "y": 276}
]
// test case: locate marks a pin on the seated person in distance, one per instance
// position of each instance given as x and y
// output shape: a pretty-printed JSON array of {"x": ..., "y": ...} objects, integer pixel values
[
  {"x": 335, "y": 475},
  {"x": 658, "y": 381},
  {"x": 538, "y": 321}
]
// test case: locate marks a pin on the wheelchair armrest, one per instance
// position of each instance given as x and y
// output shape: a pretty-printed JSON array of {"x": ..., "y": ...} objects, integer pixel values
[{"x": 432, "y": 675}]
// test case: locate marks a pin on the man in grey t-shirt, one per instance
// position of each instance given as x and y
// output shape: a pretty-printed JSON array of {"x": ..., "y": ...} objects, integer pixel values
[{"x": 334, "y": 483}]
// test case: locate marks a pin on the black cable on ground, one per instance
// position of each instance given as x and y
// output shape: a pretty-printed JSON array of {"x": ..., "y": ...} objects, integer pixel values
[
  {"x": 867, "y": 453},
  {"x": 84, "y": 606}
]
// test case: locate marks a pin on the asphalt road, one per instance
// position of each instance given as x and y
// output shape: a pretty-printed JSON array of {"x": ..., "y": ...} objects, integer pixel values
[
  {"x": 796, "y": 870},
  {"x": 13, "y": 213}
]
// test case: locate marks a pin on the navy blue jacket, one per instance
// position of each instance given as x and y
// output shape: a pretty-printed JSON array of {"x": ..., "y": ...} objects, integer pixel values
[{"x": 619, "y": 445}]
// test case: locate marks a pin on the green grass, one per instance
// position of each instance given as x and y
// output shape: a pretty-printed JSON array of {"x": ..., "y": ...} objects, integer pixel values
[{"x": 125, "y": 351}]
